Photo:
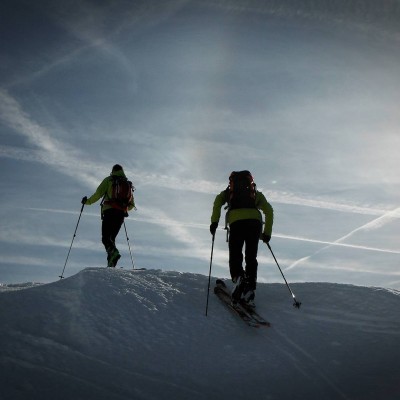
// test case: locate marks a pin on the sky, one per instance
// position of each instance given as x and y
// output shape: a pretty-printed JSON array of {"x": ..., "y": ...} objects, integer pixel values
[
  {"x": 117, "y": 334},
  {"x": 304, "y": 94}
]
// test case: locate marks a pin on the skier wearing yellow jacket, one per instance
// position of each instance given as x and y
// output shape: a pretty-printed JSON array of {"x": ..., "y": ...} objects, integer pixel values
[
  {"x": 245, "y": 226},
  {"x": 116, "y": 192}
]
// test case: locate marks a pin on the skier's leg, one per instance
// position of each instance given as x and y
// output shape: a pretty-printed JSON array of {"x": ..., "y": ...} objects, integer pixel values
[
  {"x": 236, "y": 241},
  {"x": 107, "y": 231},
  {"x": 112, "y": 222},
  {"x": 252, "y": 232},
  {"x": 117, "y": 221}
]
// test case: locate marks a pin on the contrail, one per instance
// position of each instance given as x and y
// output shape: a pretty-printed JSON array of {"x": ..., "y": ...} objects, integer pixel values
[
  {"x": 329, "y": 244},
  {"x": 376, "y": 223},
  {"x": 172, "y": 223}
]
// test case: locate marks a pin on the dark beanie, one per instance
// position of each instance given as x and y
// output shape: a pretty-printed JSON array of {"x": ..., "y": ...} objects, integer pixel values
[{"x": 116, "y": 168}]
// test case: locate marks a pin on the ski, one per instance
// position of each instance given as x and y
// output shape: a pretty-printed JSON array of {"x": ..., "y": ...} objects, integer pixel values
[
  {"x": 226, "y": 299},
  {"x": 255, "y": 315},
  {"x": 249, "y": 310}
]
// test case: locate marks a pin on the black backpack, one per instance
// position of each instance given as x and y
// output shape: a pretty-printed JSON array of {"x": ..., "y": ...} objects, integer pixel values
[{"x": 241, "y": 192}]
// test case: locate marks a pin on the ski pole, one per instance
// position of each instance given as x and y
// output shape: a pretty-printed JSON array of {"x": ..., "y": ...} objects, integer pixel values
[
  {"x": 129, "y": 246},
  {"x": 296, "y": 303},
  {"x": 209, "y": 274},
  {"x": 70, "y": 247}
]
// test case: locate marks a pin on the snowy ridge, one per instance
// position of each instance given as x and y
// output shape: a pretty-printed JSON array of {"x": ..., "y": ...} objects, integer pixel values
[{"x": 118, "y": 334}]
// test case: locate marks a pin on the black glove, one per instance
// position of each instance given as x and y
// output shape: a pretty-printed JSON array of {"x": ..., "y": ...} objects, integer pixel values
[
  {"x": 213, "y": 228},
  {"x": 84, "y": 200},
  {"x": 265, "y": 238}
]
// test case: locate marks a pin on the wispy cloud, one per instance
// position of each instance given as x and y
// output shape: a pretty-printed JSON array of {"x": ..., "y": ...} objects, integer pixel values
[
  {"x": 48, "y": 66},
  {"x": 337, "y": 243},
  {"x": 49, "y": 150},
  {"x": 23, "y": 260},
  {"x": 295, "y": 199},
  {"x": 68, "y": 160},
  {"x": 374, "y": 224},
  {"x": 27, "y": 237},
  {"x": 367, "y": 16},
  {"x": 96, "y": 27},
  {"x": 20, "y": 154},
  {"x": 179, "y": 231}
]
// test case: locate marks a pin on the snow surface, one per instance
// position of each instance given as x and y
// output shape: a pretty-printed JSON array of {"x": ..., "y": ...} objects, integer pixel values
[{"x": 119, "y": 334}]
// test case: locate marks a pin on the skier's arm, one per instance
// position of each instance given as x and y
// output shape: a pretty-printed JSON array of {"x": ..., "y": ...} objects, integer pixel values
[
  {"x": 266, "y": 208},
  {"x": 219, "y": 201},
  {"x": 99, "y": 193},
  {"x": 131, "y": 203}
]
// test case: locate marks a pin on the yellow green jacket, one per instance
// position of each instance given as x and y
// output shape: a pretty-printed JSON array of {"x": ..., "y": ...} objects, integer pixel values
[
  {"x": 245, "y": 213},
  {"x": 105, "y": 190}
]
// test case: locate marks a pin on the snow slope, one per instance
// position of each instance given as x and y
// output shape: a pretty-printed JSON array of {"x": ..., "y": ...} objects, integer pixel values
[{"x": 118, "y": 334}]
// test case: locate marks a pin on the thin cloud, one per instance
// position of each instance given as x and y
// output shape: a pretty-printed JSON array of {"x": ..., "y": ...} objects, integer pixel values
[
  {"x": 369, "y": 16},
  {"x": 213, "y": 187},
  {"x": 67, "y": 160},
  {"x": 47, "y": 67},
  {"x": 294, "y": 199},
  {"x": 336, "y": 243},
  {"x": 64, "y": 157},
  {"x": 16, "y": 153},
  {"x": 32, "y": 239},
  {"x": 23, "y": 260},
  {"x": 179, "y": 231},
  {"x": 374, "y": 224}
]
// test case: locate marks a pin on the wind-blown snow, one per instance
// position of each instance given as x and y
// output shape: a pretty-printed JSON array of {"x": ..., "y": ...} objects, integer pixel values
[{"x": 118, "y": 334}]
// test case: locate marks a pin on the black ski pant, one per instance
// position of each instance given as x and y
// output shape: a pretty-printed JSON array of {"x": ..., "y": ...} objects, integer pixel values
[
  {"x": 112, "y": 222},
  {"x": 244, "y": 232}
]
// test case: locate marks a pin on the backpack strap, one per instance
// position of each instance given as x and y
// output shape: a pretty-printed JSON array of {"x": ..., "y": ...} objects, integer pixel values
[{"x": 228, "y": 208}]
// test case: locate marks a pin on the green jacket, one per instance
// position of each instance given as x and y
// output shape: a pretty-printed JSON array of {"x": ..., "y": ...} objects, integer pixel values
[
  {"x": 105, "y": 190},
  {"x": 245, "y": 213}
]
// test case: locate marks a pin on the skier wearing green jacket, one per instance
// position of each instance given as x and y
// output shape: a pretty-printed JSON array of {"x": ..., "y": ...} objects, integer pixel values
[
  {"x": 116, "y": 192},
  {"x": 245, "y": 228}
]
